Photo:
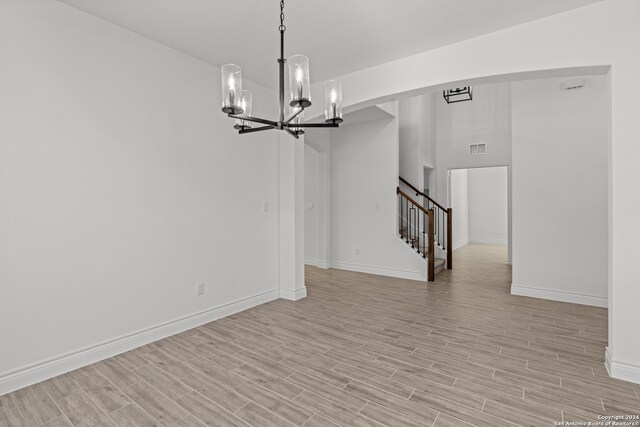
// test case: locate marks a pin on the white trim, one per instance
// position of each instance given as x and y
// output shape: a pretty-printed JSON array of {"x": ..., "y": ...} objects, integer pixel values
[
  {"x": 502, "y": 242},
  {"x": 621, "y": 370},
  {"x": 43, "y": 370},
  {"x": 323, "y": 264},
  {"x": 293, "y": 295},
  {"x": 550, "y": 294},
  {"x": 607, "y": 360},
  {"x": 458, "y": 245},
  {"x": 320, "y": 263},
  {"x": 381, "y": 271}
]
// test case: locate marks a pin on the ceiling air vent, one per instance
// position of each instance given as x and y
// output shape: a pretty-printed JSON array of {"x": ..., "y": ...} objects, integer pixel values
[{"x": 478, "y": 149}]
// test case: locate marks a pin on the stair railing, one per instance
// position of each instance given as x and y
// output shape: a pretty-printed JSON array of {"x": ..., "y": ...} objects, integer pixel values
[
  {"x": 416, "y": 226},
  {"x": 443, "y": 219}
]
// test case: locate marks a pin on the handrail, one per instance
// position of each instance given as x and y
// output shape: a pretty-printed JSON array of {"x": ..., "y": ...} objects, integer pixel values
[
  {"x": 418, "y": 205},
  {"x": 422, "y": 194},
  {"x": 442, "y": 223},
  {"x": 428, "y": 222}
]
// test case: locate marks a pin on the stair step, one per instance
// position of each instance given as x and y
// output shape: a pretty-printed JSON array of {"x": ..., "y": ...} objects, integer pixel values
[{"x": 439, "y": 264}]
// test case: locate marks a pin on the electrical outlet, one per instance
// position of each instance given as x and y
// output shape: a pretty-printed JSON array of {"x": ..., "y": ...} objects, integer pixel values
[
  {"x": 200, "y": 288},
  {"x": 357, "y": 251},
  {"x": 265, "y": 207}
]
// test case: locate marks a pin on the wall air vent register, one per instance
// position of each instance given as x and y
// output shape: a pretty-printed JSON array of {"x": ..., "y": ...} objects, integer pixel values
[{"x": 478, "y": 149}]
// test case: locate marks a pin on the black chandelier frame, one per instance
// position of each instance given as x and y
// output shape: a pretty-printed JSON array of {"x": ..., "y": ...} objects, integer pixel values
[
  {"x": 284, "y": 123},
  {"x": 458, "y": 94}
]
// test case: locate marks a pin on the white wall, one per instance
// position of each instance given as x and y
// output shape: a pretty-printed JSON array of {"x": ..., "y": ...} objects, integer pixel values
[
  {"x": 409, "y": 137},
  {"x": 122, "y": 185},
  {"x": 364, "y": 177},
  {"x": 488, "y": 217},
  {"x": 559, "y": 190},
  {"x": 312, "y": 201},
  {"x": 417, "y": 133},
  {"x": 460, "y": 206},
  {"x": 317, "y": 183},
  {"x": 606, "y": 33},
  {"x": 485, "y": 119},
  {"x": 290, "y": 217}
]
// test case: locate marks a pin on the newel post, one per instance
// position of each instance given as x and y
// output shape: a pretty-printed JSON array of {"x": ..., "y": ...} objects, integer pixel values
[
  {"x": 449, "y": 239},
  {"x": 431, "y": 253}
]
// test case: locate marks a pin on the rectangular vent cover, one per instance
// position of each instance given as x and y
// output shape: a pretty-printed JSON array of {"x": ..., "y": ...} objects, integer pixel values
[{"x": 478, "y": 149}]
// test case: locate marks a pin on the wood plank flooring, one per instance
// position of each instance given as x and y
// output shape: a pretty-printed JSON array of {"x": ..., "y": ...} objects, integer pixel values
[{"x": 360, "y": 350}]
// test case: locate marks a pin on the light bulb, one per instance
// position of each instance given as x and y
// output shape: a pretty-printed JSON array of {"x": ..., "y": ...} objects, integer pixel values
[
  {"x": 299, "y": 76},
  {"x": 334, "y": 95},
  {"x": 232, "y": 90}
]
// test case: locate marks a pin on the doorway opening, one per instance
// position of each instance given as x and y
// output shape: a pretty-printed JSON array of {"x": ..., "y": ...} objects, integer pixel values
[
  {"x": 481, "y": 202},
  {"x": 429, "y": 180}
]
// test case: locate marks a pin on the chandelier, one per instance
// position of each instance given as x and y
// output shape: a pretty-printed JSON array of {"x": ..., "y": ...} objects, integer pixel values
[
  {"x": 458, "y": 94},
  {"x": 237, "y": 103}
]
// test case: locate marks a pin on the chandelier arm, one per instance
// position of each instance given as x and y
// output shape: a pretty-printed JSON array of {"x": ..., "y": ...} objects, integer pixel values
[
  {"x": 293, "y": 115},
  {"x": 292, "y": 133},
  {"x": 254, "y": 119},
  {"x": 312, "y": 125},
  {"x": 258, "y": 129}
]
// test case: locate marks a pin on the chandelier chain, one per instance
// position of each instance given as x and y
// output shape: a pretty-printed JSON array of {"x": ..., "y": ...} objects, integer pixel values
[{"x": 282, "y": 27}]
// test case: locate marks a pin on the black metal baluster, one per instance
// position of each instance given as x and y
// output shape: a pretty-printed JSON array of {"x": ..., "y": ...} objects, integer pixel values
[
  {"x": 413, "y": 224},
  {"x": 444, "y": 245},
  {"x": 424, "y": 236},
  {"x": 419, "y": 232},
  {"x": 413, "y": 220},
  {"x": 417, "y": 222},
  {"x": 438, "y": 226},
  {"x": 437, "y": 236},
  {"x": 406, "y": 219}
]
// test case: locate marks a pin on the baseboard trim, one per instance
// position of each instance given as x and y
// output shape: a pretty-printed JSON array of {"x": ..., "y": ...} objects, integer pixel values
[
  {"x": 380, "y": 271},
  {"x": 323, "y": 264},
  {"x": 585, "y": 299},
  {"x": 40, "y": 371},
  {"x": 293, "y": 295},
  {"x": 621, "y": 370},
  {"x": 501, "y": 242},
  {"x": 317, "y": 262},
  {"x": 458, "y": 245}
]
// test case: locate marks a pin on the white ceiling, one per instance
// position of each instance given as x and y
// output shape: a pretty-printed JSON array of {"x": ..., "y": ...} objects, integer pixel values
[{"x": 338, "y": 36}]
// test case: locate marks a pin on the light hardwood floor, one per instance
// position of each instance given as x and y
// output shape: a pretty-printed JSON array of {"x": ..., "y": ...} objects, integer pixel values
[{"x": 360, "y": 350}]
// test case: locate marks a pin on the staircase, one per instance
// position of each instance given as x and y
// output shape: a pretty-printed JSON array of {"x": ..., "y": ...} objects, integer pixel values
[{"x": 424, "y": 224}]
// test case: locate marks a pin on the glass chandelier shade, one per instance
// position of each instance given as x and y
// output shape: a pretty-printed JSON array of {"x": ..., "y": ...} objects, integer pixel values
[
  {"x": 231, "y": 89},
  {"x": 296, "y": 120},
  {"x": 333, "y": 101},
  {"x": 299, "y": 85},
  {"x": 246, "y": 103}
]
